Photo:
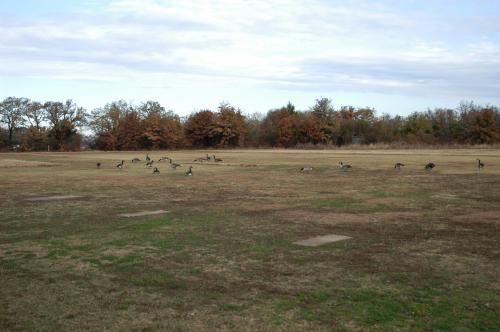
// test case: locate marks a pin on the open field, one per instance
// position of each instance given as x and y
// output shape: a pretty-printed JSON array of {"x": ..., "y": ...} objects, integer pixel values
[{"x": 424, "y": 252}]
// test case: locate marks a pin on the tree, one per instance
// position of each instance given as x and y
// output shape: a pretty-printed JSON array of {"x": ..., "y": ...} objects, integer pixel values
[
  {"x": 273, "y": 127},
  {"x": 228, "y": 127},
  {"x": 197, "y": 128},
  {"x": 64, "y": 119},
  {"x": 106, "y": 124},
  {"x": 484, "y": 128},
  {"x": 323, "y": 111},
  {"x": 129, "y": 132},
  {"x": 161, "y": 129},
  {"x": 35, "y": 115},
  {"x": 418, "y": 128},
  {"x": 12, "y": 110},
  {"x": 325, "y": 118}
]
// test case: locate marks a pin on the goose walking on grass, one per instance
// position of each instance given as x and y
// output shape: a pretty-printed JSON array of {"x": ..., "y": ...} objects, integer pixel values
[
  {"x": 174, "y": 165},
  {"x": 190, "y": 171},
  {"x": 156, "y": 171},
  {"x": 398, "y": 166},
  {"x": 163, "y": 159},
  {"x": 430, "y": 166},
  {"x": 344, "y": 167},
  {"x": 149, "y": 163},
  {"x": 306, "y": 169},
  {"x": 217, "y": 160},
  {"x": 148, "y": 159},
  {"x": 480, "y": 164},
  {"x": 208, "y": 157},
  {"x": 200, "y": 159},
  {"x": 136, "y": 160},
  {"x": 120, "y": 165}
]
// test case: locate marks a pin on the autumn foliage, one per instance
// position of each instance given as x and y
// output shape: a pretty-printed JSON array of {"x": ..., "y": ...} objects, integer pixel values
[{"x": 30, "y": 125}]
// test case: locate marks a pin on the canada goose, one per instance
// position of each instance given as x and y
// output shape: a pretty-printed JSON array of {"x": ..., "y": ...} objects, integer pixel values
[
  {"x": 430, "y": 166},
  {"x": 398, "y": 166},
  {"x": 480, "y": 164},
  {"x": 150, "y": 163},
  {"x": 147, "y": 157},
  {"x": 217, "y": 159},
  {"x": 208, "y": 157},
  {"x": 163, "y": 159},
  {"x": 174, "y": 165},
  {"x": 189, "y": 171},
  {"x": 120, "y": 165},
  {"x": 136, "y": 160},
  {"x": 199, "y": 159},
  {"x": 156, "y": 171},
  {"x": 306, "y": 169},
  {"x": 98, "y": 165},
  {"x": 344, "y": 166}
]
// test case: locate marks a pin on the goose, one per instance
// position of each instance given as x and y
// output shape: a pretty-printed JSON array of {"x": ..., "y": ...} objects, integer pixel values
[
  {"x": 156, "y": 171},
  {"x": 344, "y": 166},
  {"x": 199, "y": 159},
  {"x": 120, "y": 165},
  {"x": 217, "y": 159},
  {"x": 208, "y": 157},
  {"x": 98, "y": 165},
  {"x": 163, "y": 159},
  {"x": 398, "y": 166},
  {"x": 189, "y": 171},
  {"x": 174, "y": 165},
  {"x": 306, "y": 169},
  {"x": 147, "y": 157},
  {"x": 136, "y": 160},
  {"x": 430, "y": 166},
  {"x": 480, "y": 164},
  {"x": 149, "y": 163}
]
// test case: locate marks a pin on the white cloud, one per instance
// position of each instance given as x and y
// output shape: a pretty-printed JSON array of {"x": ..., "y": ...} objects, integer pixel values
[{"x": 313, "y": 45}]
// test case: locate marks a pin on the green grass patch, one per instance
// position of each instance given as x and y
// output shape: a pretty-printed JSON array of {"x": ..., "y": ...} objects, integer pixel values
[
  {"x": 150, "y": 225},
  {"x": 157, "y": 279},
  {"x": 348, "y": 205}
]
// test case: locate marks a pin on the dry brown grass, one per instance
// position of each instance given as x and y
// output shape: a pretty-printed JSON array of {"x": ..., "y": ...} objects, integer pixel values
[{"x": 423, "y": 255}]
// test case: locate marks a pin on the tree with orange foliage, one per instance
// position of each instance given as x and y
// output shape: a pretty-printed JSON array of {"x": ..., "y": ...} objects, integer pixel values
[
  {"x": 197, "y": 128},
  {"x": 229, "y": 127}
]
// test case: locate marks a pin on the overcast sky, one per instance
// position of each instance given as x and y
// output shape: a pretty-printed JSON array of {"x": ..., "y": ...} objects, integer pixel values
[{"x": 397, "y": 56}]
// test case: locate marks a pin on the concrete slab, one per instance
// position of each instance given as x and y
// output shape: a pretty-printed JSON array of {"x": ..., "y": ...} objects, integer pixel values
[
  {"x": 143, "y": 213},
  {"x": 52, "y": 198},
  {"x": 320, "y": 240}
]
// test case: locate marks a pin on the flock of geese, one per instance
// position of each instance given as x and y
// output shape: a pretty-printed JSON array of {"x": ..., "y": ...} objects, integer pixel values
[
  {"x": 150, "y": 162},
  {"x": 397, "y": 166}
]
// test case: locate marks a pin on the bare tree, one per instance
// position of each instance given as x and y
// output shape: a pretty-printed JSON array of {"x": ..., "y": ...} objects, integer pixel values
[
  {"x": 35, "y": 114},
  {"x": 11, "y": 113}
]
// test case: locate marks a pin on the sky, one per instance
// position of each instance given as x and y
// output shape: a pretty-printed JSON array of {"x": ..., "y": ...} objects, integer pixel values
[{"x": 393, "y": 55}]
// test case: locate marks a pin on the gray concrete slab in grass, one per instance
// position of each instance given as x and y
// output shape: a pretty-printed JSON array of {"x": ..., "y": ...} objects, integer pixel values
[
  {"x": 52, "y": 198},
  {"x": 320, "y": 240},
  {"x": 143, "y": 213}
]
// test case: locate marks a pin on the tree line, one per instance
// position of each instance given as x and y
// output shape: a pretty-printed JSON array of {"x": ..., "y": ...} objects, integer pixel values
[{"x": 29, "y": 125}]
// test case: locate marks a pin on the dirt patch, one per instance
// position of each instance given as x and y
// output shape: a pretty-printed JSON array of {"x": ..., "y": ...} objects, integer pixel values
[
  {"x": 143, "y": 213},
  {"x": 10, "y": 163},
  {"x": 335, "y": 218},
  {"x": 445, "y": 196},
  {"x": 320, "y": 240},
  {"x": 52, "y": 198}
]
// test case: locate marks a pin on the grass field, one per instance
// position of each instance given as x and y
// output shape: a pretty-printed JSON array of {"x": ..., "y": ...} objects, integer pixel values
[{"x": 424, "y": 253}]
